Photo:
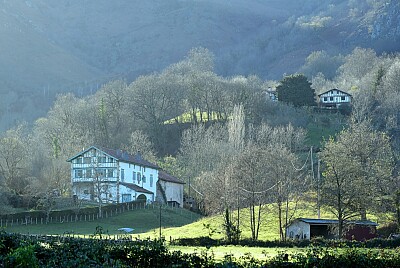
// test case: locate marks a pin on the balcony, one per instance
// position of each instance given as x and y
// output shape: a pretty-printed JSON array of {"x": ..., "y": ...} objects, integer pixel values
[{"x": 85, "y": 179}]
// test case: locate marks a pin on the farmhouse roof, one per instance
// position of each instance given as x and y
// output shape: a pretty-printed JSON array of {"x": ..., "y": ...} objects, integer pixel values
[
  {"x": 136, "y": 188},
  {"x": 327, "y": 221},
  {"x": 120, "y": 155},
  {"x": 334, "y": 89},
  {"x": 162, "y": 175}
]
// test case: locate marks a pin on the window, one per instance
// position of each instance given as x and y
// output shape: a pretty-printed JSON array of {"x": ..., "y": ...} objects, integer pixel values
[
  {"x": 151, "y": 180},
  {"x": 133, "y": 176},
  {"x": 101, "y": 159},
  {"x": 343, "y": 98},
  {"x": 87, "y": 160},
  {"x": 325, "y": 99},
  {"x": 111, "y": 160},
  {"x": 88, "y": 173},
  {"x": 144, "y": 169},
  {"x": 331, "y": 98},
  {"x": 122, "y": 174},
  {"x": 144, "y": 179},
  {"x": 138, "y": 177},
  {"x": 86, "y": 191},
  {"x": 100, "y": 172},
  {"x": 78, "y": 173},
  {"x": 110, "y": 173},
  {"x": 126, "y": 198},
  {"x": 78, "y": 160}
]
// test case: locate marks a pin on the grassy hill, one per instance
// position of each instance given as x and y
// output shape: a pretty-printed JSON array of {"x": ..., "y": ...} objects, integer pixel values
[{"x": 143, "y": 221}]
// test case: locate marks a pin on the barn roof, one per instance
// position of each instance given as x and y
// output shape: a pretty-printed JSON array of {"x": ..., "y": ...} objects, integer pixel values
[
  {"x": 329, "y": 221},
  {"x": 120, "y": 155},
  {"x": 334, "y": 89},
  {"x": 136, "y": 188},
  {"x": 162, "y": 175}
]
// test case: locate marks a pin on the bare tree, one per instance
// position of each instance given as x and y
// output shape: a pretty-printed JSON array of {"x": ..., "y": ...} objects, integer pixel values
[
  {"x": 140, "y": 143},
  {"x": 358, "y": 164},
  {"x": 252, "y": 170},
  {"x": 13, "y": 159}
]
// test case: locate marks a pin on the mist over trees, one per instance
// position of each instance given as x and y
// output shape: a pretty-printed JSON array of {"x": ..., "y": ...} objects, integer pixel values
[
  {"x": 233, "y": 146},
  {"x": 99, "y": 41}
]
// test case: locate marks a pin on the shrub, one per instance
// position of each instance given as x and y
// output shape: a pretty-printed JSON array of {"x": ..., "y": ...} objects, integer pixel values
[{"x": 23, "y": 257}]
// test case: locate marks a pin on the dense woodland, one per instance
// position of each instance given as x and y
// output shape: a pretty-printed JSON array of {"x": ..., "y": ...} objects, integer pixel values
[
  {"x": 226, "y": 139},
  {"x": 100, "y": 40}
]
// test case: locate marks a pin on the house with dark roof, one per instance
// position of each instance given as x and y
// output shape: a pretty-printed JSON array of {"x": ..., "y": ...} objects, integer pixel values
[
  {"x": 115, "y": 176},
  {"x": 334, "y": 98},
  {"x": 305, "y": 228},
  {"x": 169, "y": 189}
]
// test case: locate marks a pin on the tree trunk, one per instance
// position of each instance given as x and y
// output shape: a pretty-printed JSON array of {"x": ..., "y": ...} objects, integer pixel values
[{"x": 280, "y": 219}]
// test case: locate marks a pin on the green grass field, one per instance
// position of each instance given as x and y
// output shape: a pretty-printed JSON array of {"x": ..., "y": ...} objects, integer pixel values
[
  {"x": 237, "y": 251},
  {"x": 142, "y": 220},
  {"x": 179, "y": 223},
  {"x": 322, "y": 127}
]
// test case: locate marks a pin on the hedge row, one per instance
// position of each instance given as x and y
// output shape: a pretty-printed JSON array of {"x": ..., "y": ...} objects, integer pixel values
[
  {"x": 319, "y": 242},
  {"x": 24, "y": 251}
]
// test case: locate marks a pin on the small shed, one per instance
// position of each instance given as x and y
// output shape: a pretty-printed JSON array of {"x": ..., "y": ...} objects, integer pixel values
[{"x": 305, "y": 228}]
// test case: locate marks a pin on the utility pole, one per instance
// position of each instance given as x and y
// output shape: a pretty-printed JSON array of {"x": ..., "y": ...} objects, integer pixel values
[
  {"x": 312, "y": 163},
  {"x": 318, "y": 190},
  {"x": 160, "y": 221}
]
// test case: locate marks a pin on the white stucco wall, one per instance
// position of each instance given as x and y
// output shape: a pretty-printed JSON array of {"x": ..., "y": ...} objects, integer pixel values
[
  {"x": 83, "y": 185},
  {"x": 131, "y": 170},
  {"x": 134, "y": 195},
  {"x": 173, "y": 191},
  {"x": 87, "y": 191},
  {"x": 299, "y": 230}
]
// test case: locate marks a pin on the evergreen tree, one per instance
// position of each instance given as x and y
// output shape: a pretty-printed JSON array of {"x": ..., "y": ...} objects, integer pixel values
[{"x": 296, "y": 89}]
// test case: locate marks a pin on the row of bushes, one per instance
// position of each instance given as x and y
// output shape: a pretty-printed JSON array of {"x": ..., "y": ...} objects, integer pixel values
[
  {"x": 23, "y": 251},
  {"x": 318, "y": 242}
]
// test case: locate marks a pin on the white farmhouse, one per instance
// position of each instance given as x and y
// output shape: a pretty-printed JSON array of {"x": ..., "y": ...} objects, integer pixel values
[
  {"x": 333, "y": 98},
  {"x": 115, "y": 176}
]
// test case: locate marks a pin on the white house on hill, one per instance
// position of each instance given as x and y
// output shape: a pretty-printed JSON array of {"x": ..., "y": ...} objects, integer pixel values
[
  {"x": 333, "y": 98},
  {"x": 115, "y": 176}
]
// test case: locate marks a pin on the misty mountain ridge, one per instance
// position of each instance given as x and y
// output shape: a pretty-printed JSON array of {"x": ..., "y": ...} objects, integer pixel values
[{"x": 52, "y": 47}]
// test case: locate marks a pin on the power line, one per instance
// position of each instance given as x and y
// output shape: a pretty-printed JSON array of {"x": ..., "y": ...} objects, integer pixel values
[
  {"x": 304, "y": 165},
  {"x": 261, "y": 192}
]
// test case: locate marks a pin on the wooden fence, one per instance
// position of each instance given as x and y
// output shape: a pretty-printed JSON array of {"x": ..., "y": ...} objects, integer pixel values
[{"x": 107, "y": 211}]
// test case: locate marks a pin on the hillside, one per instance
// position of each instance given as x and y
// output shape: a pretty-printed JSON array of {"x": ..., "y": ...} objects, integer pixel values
[
  {"x": 142, "y": 221},
  {"x": 179, "y": 223},
  {"x": 71, "y": 45}
]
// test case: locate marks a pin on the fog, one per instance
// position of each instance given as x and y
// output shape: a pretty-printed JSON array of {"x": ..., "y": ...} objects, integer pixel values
[{"x": 50, "y": 47}]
